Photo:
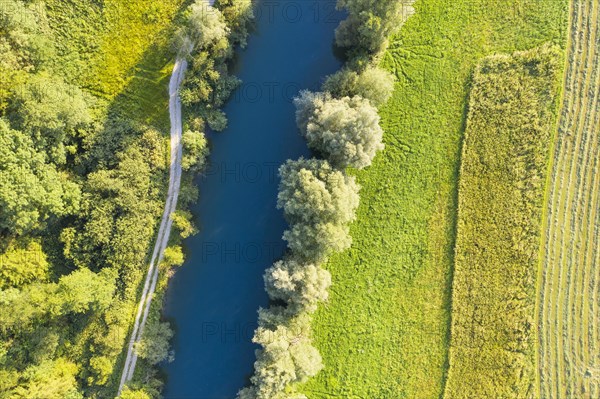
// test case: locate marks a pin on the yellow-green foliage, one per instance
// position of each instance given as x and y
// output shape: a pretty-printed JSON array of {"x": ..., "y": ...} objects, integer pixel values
[
  {"x": 383, "y": 333},
  {"x": 23, "y": 263},
  {"x": 512, "y": 114}
]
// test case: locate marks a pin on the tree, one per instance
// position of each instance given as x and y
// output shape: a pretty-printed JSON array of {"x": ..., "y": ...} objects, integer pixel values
[
  {"x": 84, "y": 290},
  {"x": 182, "y": 221},
  {"x": 306, "y": 104},
  {"x": 49, "y": 380},
  {"x": 318, "y": 202},
  {"x": 205, "y": 27},
  {"x": 301, "y": 285},
  {"x": 22, "y": 263},
  {"x": 370, "y": 23},
  {"x": 239, "y": 15},
  {"x": 195, "y": 150},
  {"x": 134, "y": 394},
  {"x": 154, "y": 345},
  {"x": 53, "y": 112},
  {"x": 286, "y": 355},
  {"x": 374, "y": 83},
  {"x": 31, "y": 190},
  {"x": 173, "y": 256},
  {"x": 345, "y": 130}
]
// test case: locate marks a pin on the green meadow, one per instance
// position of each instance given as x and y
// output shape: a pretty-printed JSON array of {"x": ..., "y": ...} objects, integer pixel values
[{"x": 385, "y": 330}]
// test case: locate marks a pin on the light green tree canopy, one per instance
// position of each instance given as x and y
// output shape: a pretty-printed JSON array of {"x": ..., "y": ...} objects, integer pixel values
[
  {"x": 286, "y": 355},
  {"x": 301, "y": 285},
  {"x": 31, "y": 190},
  {"x": 370, "y": 23},
  {"x": 373, "y": 83},
  {"x": 318, "y": 202},
  {"x": 345, "y": 130}
]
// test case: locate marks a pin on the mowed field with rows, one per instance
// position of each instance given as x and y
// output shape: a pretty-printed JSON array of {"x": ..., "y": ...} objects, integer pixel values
[{"x": 569, "y": 313}]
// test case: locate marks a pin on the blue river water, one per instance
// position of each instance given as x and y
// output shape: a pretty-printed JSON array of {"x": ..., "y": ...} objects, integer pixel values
[{"x": 213, "y": 298}]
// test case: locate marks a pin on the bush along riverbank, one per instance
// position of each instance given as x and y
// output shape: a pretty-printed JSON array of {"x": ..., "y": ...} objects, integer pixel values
[
  {"x": 319, "y": 199},
  {"x": 206, "y": 39}
]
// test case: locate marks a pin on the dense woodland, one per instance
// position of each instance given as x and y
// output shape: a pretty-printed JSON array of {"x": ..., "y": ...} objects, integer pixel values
[{"x": 82, "y": 186}]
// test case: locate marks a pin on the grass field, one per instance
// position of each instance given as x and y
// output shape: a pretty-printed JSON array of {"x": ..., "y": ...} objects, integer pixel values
[
  {"x": 384, "y": 332},
  {"x": 119, "y": 51},
  {"x": 568, "y": 306},
  {"x": 512, "y": 118}
]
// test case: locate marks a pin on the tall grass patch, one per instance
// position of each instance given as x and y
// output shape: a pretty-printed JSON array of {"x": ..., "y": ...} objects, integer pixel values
[{"x": 509, "y": 129}]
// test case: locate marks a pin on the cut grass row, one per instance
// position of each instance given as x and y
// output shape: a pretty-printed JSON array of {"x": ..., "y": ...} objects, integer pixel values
[
  {"x": 384, "y": 332},
  {"x": 569, "y": 319},
  {"x": 510, "y": 125}
]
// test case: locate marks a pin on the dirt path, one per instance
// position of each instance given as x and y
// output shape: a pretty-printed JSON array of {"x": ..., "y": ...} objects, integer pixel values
[
  {"x": 569, "y": 316},
  {"x": 166, "y": 222}
]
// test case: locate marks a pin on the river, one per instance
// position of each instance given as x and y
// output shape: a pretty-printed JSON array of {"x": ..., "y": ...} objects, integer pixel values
[{"x": 212, "y": 299}]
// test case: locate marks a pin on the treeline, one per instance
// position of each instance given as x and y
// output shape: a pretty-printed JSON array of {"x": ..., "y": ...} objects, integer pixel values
[
  {"x": 511, "y": 119},
  {"x": 319, "y": 198},
  {"x": 82, "y": 187}
]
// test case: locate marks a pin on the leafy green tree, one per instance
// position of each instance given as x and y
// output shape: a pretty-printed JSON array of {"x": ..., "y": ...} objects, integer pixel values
[
  {"x": 84, "y": 290},
  {"x": 49, "y": 380},
  {"x": 154, "y": 345},
  {"x": 182, "y": 221},
  {"x": 286, "y": 355},
  {"x": 318, "y": 202},
  {"x": 173, "y": 256},
  {"x": 31, "y": 190},
  {"x": 307, "y": 104},
  {"x": 205, "y": 27},
  {"x": 370, "y": 23},
  {"x": 239, "y": 15},
  {"x": 195, "y": 150},
  {"x": 134, "y": 394},
  {"x": 53, "y": 112},
  {"x": 101, "y": 367},
  {"x": 301, "y": 285},
  {"x": 345, "y": 130},
  {"x": 373, "y": 83},
  {"x": 23, "y": 262}
]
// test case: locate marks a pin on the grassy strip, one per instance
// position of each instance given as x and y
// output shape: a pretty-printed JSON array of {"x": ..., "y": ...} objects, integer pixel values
[
  {"x": 384, "y": 331},
  {"x": 512, "y": 114}
]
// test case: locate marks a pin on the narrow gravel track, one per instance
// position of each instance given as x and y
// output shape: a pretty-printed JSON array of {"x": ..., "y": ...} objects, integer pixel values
[
  {"x": 568, "y": 311},
  {"x": 165, "y": 225}
]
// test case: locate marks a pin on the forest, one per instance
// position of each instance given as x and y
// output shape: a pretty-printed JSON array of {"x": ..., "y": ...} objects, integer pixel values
[{"x": 82, "y": 181}]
